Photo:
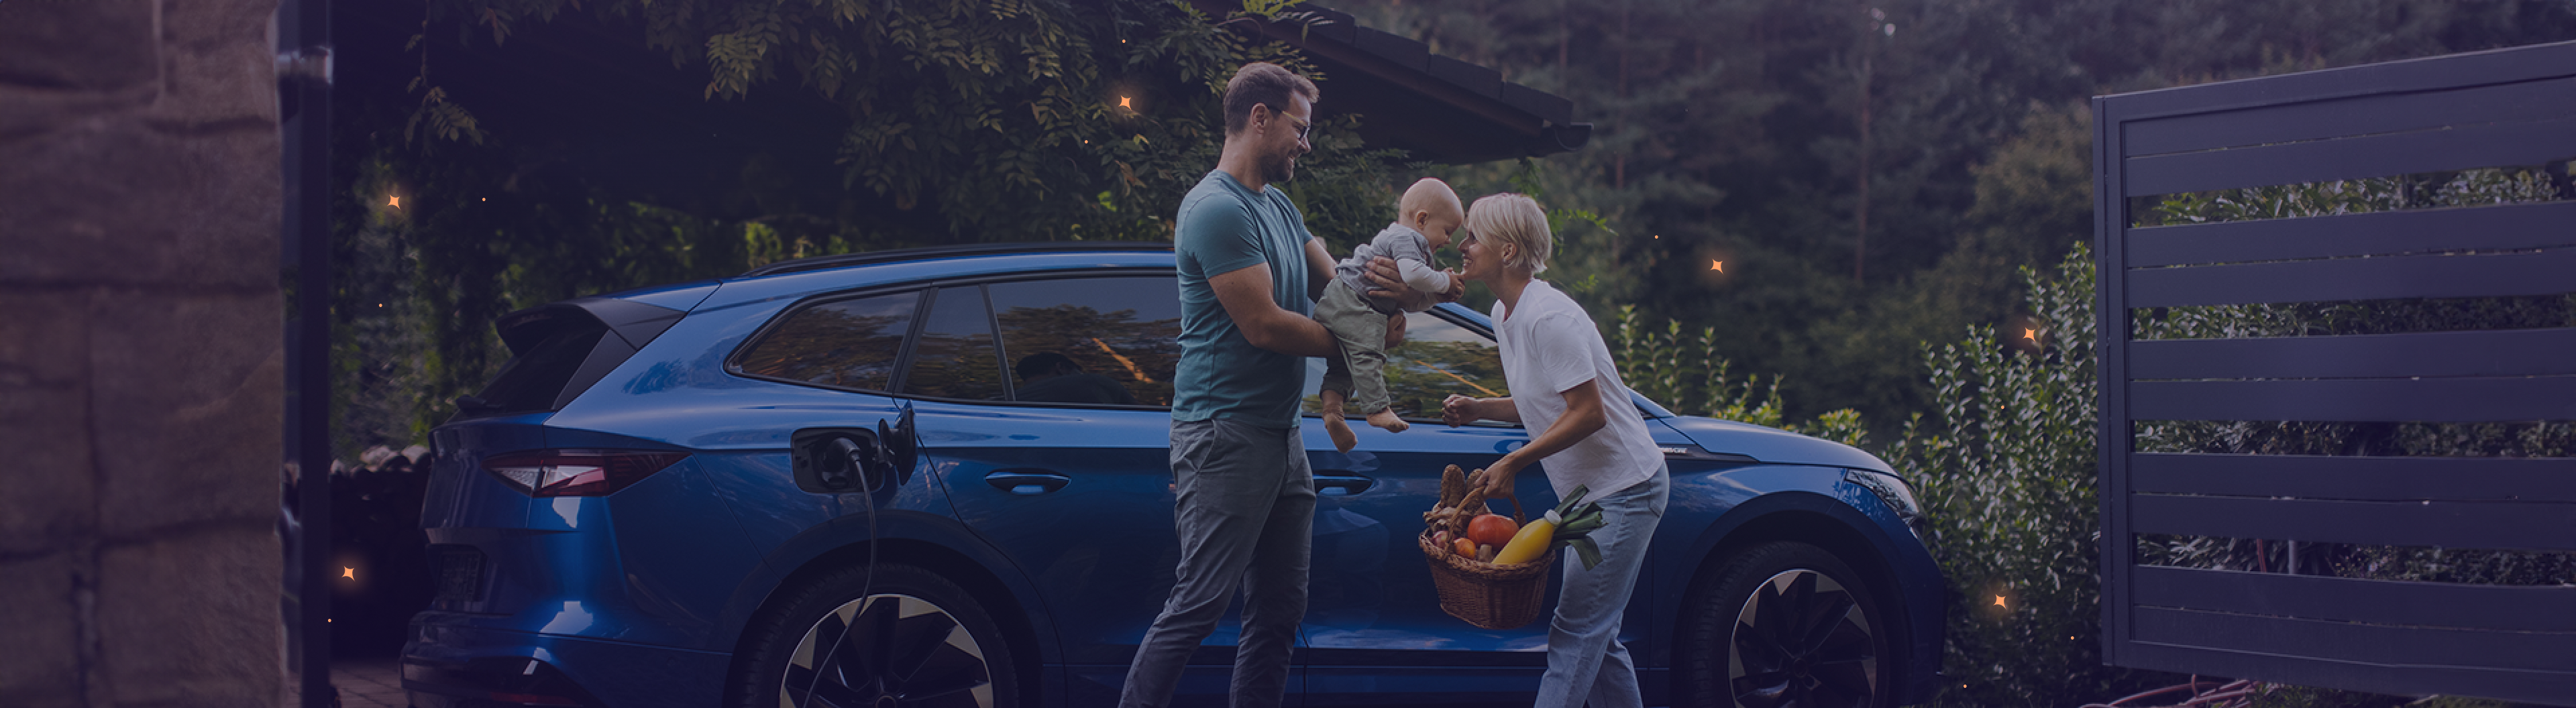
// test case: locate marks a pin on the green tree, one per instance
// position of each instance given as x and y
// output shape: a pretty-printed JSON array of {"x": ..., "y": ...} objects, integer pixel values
[
  {"x": 1729, "y": 130},
  {"x": 965, "y": 121}
]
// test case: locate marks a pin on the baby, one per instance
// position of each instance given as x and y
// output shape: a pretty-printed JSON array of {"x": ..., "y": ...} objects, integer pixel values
[{"x": 1424, "y": 218}]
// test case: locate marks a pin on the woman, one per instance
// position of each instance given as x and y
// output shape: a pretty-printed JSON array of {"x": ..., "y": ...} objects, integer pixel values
[{"x": 1567, "y": 390}]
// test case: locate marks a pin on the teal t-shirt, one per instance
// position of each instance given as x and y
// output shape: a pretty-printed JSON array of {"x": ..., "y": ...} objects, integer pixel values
[{"x": 1222, "y": 228}]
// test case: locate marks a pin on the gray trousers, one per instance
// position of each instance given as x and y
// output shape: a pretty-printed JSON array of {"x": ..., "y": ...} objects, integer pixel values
[
  {"x": 1585, "y": 661},
  {"x": 1246, "y": 518},
  {"x": 1359, "y": 372}
]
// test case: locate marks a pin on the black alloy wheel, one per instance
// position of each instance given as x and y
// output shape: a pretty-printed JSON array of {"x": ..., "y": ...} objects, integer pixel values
[
  {"x": 1786, "y": 625},
  {"x": 914, "y": 640}
]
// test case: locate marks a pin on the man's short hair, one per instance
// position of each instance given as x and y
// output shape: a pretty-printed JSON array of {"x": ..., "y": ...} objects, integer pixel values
[{"x": 1262, "y": 83}]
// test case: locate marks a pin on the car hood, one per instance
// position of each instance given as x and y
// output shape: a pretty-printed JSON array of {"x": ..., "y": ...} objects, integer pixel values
[{"x": 1770, "y": 444}]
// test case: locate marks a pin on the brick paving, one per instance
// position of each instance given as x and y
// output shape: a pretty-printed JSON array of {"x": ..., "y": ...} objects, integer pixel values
[{"x": 369, "y": 683}]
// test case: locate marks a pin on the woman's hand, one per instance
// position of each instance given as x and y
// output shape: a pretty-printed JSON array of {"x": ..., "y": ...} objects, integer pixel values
[
  {"x": 1500, "y": 476},
  {"x": 1458, "y": 410}
]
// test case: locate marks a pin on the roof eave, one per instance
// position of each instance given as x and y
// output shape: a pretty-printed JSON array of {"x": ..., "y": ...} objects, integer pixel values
[{"x": 1541, "y": 122}]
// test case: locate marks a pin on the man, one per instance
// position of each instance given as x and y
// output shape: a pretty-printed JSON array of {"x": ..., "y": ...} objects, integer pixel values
[{"x": 1249, "y": 275}]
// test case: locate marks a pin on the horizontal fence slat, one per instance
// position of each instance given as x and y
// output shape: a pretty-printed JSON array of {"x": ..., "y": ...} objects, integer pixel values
[
  {"x": 2357, "y": 478},
  {"x": 2397, "y": 679},
  {"x": 2481, "y": 275},
  {"x": 2495, "y": 66},
  {"x": 2377, "y": 644},
  {"x": 2448, "y": 400},
  {"x": 2359, "y": 115},
  {"x": 2498, "y": 227},
  {"x": 2519, "y": 526},
  {"x": 2516, "y": 352},
  {"x": 2382, "y": 602},
  {"x": 2464, "y": 147}
]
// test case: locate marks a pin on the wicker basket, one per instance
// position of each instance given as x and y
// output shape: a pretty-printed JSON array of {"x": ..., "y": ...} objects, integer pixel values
[{"x": 1487, "y": 595}]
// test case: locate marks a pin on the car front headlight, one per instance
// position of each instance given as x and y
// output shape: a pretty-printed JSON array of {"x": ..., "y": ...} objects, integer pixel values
[{"x": 1898, "y": 496}]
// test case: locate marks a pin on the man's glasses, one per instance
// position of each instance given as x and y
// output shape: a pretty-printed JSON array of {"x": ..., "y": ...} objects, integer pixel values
[{"x": 1304, "y": 127}]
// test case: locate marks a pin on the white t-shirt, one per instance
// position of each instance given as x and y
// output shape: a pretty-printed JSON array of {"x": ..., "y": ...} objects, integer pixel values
[{"x": 1550, "y": 346}]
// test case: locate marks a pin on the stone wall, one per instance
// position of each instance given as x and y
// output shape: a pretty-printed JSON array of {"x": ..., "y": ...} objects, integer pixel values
[{"x": 141, "y": 361}]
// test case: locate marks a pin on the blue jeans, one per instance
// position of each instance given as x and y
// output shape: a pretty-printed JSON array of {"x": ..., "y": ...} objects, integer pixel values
[{"x": 1585, "y": 662}]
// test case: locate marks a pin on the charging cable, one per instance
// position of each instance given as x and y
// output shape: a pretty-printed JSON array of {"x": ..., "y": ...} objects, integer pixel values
[{"x": 867, "y": 582}]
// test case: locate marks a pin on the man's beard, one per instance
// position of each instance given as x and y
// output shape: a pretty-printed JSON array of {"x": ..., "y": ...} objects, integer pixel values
[{"x": 1279, "y": 168}]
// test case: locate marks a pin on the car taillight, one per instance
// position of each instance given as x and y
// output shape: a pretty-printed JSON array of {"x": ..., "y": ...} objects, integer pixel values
[{"x": 577, "y": 473}]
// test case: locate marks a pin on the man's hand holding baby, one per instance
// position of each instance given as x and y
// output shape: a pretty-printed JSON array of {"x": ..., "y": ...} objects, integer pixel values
[{"x": 1388, "y": 282}]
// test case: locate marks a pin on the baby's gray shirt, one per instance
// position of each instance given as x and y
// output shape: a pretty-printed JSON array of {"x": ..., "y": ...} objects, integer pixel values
[{"x": 1397, "y": 242}]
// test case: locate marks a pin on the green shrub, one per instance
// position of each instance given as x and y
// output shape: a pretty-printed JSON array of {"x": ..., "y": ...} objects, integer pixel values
[
  {"x": 2004, "y": 467},
  {"x": 1686, "y": 375}
]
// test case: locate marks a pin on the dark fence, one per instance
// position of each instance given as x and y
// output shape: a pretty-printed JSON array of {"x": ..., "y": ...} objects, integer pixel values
[{"x": 2290, "y": 623}]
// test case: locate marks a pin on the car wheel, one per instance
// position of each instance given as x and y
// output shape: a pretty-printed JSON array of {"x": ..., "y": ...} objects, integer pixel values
[
  {"x": 1785, "y": 624},
  {"x": 913, "y": 640}
]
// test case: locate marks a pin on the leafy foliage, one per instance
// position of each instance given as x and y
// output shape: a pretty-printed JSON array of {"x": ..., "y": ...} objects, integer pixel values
[
  {"x": 1729, "y": 130},
  {"x": 1017, "y": 120},
  {"x": 1013, "y": 119},
  {"x": 1686, "y": 374},
  {"x": 2004, "y": 467}
]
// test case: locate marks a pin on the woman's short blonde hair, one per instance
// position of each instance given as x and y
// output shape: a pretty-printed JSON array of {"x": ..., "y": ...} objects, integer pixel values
[{"x": 1517, "y": 220}]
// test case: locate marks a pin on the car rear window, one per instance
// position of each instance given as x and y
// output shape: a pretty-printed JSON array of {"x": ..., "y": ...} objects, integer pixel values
[
  {"x": 533, "y": 378},
  {"x": 845, "y": 343}
]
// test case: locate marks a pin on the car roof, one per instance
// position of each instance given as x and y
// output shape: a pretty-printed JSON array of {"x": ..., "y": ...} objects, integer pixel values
[{"x": 847, "y": 260}]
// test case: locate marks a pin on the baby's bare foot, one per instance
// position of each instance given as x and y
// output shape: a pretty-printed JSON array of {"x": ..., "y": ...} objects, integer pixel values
[
  {"x": 1340, "y": 432},
  {"x": 1334, "y": 427},
  {"x": 1388, "y": 420}
]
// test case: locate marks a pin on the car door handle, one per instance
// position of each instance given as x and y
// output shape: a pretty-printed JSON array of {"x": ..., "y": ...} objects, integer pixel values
[
  {"x": 1027, "y": 482},
  {"x": 1349, "y": 485}
]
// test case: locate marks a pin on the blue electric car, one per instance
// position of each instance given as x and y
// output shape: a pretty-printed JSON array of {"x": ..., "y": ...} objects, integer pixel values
[{"x": 938, "y": 477}]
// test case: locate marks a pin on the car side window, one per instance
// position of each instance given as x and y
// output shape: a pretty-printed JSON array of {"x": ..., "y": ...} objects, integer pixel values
[
  {"x": 845, "y": 343},
  {"x": 1113, "y": 340},
  {"x": 955, "y": 357},
  {"x": 1437, "y": 358}
]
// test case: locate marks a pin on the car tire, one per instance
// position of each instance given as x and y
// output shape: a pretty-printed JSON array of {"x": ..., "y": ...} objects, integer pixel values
[
  {"x": 914, "y": 639},
  {"x": 1781, "y": 624}
]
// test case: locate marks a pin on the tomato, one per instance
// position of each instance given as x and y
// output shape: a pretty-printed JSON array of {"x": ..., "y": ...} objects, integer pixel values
[
  {"x": 1464, "y": 547},
  {"x": 1491, "y": 530}
]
